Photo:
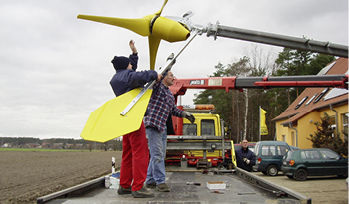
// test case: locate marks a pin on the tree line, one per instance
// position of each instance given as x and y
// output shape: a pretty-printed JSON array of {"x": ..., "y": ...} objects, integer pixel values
[{"x": 59, "y": 143}]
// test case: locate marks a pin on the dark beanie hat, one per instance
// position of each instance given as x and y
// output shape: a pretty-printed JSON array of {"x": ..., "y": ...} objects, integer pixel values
[{"x": 120, "y": 62}]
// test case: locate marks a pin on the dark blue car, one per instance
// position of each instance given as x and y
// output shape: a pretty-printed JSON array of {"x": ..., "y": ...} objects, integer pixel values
[{"x": 300, "y": 164}]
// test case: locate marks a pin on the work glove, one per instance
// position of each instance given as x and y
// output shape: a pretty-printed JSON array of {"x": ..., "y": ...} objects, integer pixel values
[
  {"x": 188, "y": 116},
  {"x": 247, "y": 161}
]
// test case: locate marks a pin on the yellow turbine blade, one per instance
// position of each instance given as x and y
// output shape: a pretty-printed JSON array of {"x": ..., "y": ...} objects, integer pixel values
[
  {"x": 160, "y": 11},
  {"x": 153, "y": 49},
  {"x": 106, "y": 123},
  {"x": 137, "y": 25}
]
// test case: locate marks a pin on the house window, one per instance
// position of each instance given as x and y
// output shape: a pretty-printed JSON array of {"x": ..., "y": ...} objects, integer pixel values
[
  {"x": 321, "y": 95},
  {"x": 345, "y": 122},
  {"x": 311, "y": 99},
  {"x": 301, "y": 102},
  {"x": 284, "y": 138}
]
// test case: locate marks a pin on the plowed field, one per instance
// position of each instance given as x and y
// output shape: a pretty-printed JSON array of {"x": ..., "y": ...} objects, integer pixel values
[{"x": 25, "y": 176}]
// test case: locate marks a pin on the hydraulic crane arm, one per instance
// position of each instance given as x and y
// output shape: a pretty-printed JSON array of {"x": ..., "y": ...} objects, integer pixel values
[
  {"x": 180, "y": 86},
  {"x": 276, "y": 39}
]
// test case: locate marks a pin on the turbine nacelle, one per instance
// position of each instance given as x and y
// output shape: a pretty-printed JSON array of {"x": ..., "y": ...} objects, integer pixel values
[{"x": 153, "y": 26}]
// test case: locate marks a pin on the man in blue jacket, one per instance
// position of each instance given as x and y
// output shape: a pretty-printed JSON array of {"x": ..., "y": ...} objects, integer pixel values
[
  {"x": 245, "y": 158},
  {"x": 135, "y": 153}
]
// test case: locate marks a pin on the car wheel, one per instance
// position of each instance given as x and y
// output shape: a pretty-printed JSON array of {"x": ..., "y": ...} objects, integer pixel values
[
  {"x": 301, "y": 175},
  {"x": 272, "y": 170}
]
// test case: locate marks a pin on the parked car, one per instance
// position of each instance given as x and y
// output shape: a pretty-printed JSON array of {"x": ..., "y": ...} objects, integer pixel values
[
  {"x": 269, "y": 155},
  {"x": 300, "y": 164}
]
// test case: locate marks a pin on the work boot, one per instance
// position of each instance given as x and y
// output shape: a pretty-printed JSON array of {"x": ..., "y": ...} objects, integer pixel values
[
  {"x": 123, "y": 191},
  {"x": 150, "y": 185},
  {"x": 142, "y": 193},
  {"x": 162, "y": 187}
]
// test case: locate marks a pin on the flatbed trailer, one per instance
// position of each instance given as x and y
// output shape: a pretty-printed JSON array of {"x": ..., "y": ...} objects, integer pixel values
[
  {"x": 241, "y": 187},
  {"x": 188, "y": 184}
]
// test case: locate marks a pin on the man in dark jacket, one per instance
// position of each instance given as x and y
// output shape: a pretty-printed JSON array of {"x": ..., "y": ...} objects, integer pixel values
[
  {"x": 245, "y": 158},
  {"x": 135, "y": 152}
]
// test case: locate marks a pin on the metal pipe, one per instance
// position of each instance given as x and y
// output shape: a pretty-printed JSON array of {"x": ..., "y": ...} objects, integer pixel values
[
  {"x": 339, "y": 80},
  {"x": 223, "y": 139},
  {"x": 300, "y": 83},
  {"x": 336, "y": 118},
  {"x": 278, "y": 40}
]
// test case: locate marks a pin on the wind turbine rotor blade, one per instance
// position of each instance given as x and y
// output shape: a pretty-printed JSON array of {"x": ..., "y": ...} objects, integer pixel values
[
  {"x": 163, "y": 5},
  {"x": 106, "y": 123},
  {"x": 169, "y": 30},
  {"x": 138, "y": 25},
  {"x": 153, "y": 49}
]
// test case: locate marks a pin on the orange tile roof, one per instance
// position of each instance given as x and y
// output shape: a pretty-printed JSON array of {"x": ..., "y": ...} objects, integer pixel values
[{"x": 293, "y": 114}]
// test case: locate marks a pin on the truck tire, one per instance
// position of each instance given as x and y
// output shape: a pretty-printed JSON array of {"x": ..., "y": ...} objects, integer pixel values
[
  {"x": 300, "y": 175},
  {"x": 272, "y": 170}
]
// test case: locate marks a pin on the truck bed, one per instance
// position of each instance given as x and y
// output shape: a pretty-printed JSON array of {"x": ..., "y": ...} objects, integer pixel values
[{"x": 241, "y": 187}]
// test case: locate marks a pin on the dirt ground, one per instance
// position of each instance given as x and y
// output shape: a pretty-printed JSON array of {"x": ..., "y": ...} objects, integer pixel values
[{"x": 25, "y": 176}]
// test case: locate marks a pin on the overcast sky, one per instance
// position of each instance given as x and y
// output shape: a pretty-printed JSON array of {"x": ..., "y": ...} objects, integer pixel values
[{"x": 55, "y": 68}]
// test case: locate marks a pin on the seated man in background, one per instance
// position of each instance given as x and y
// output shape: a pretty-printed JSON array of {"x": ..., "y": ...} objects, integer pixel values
[{"x": 245, "y": 158}]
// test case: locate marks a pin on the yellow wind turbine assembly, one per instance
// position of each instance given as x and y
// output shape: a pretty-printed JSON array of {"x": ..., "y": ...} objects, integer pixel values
[{"x": 154, "y": 26}]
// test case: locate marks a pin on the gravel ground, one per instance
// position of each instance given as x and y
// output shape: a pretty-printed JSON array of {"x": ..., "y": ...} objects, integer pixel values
[{"x": 319, "y": 189}]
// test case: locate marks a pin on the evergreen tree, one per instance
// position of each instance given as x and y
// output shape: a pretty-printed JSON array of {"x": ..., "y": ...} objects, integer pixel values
[{"x": 326, "y": 137}]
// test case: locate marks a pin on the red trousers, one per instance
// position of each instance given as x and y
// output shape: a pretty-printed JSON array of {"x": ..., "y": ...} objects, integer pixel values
[{"x": 135, "y": 159}]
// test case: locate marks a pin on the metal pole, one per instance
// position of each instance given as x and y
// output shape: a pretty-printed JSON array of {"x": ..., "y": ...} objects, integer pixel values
[
  {"x": 223, "y": 139},
  {"x": 259, "y": 130},
  {"x": 278, "y": 40}
]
